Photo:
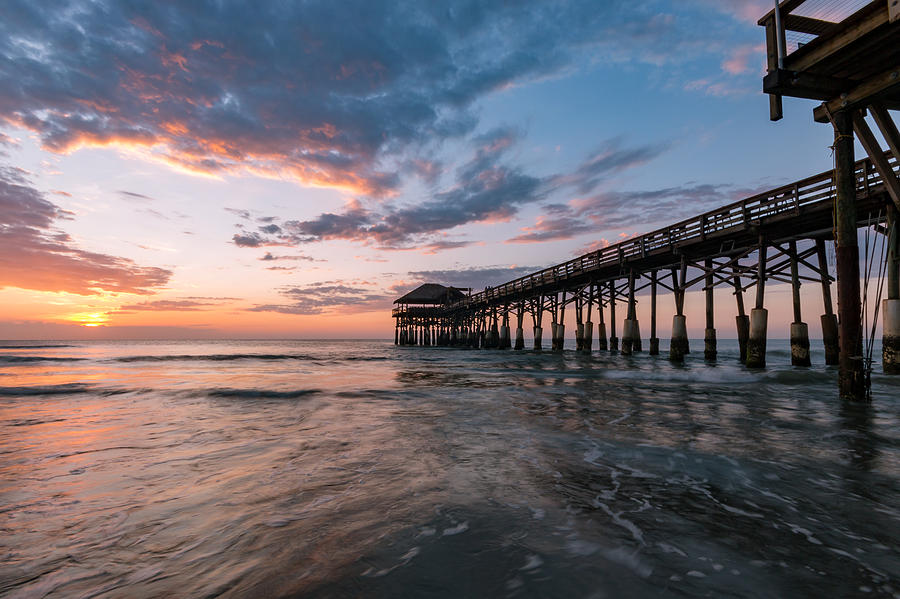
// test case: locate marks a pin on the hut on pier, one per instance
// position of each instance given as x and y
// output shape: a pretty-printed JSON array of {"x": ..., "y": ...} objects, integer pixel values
[{"x": 419, "y": 314}]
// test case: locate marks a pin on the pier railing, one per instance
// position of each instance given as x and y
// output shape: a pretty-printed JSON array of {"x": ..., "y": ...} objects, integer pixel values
[{"x": 785, "y": 202}]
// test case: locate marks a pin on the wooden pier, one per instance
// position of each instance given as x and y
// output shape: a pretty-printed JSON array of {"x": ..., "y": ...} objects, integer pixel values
[
  {"x": 779, "y": 235},
  {"x": 853, "y": 66},
  {"x": 848, "y": 56}
]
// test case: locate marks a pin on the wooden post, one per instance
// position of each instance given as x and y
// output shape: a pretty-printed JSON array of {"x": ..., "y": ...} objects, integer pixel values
[
  {"x": 636, "y": 346},
  {"x": 579, "y": 323},
  {"x": 628, "y": 326},
  {"x": 613, "y": 340},
  {"x": 851, "y": 377},
  {"x": 759, "y": 316},
  {"x": 829, "y": 319},
  {"x": 561, "y": 325},
  {"x": 602, "y": 342},
  {"x": 709, "y": 335},
  {"x": 520, "y": 333},
  {"x": 537, "y": 309},
  {"x": 654, "y": 340},
  {"x": 504, "y": 329},
  {"x": 742, "y": 320},
  {"x": 588, "y": 341},
  {"x": 799, "y": 330}
]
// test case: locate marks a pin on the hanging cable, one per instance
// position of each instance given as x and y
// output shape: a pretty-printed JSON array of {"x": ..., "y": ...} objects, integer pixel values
[{"x": 871, "y": 254}]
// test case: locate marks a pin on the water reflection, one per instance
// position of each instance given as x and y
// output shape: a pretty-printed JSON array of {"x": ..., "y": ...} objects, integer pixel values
[{"x": 364, "y": 469}]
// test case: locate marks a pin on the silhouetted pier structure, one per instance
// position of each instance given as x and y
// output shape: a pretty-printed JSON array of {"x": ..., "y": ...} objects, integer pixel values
[
  {"x": 852, "y": 64},
  {"x": 779, "y": 235}
]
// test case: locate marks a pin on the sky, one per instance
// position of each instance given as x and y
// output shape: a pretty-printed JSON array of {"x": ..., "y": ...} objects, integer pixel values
[{"x": 287, "y": 169}]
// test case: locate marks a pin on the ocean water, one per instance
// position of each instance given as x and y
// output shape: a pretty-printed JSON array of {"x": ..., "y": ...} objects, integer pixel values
[{"x": 361, "y": 469}]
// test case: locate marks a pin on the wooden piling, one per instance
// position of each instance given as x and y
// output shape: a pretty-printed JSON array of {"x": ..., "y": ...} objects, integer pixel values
[
  {"x": 520, "y": 333},
  {"x": 851, "y": 378},
  {"x": 537, "y": 310},
  {"x": 613, "y": 340},
  {"x": 654, "y": 340},
  {"x": 741, "y": 320},
  {"x": 587, "y": 340},
  {"x": 579, "y": 324},
  {"x": 709, "y": 334},
  {"x": 602, "y": 342},
  {"x": 799, "y": 330},
  {"x": 628, "y": 326},
  {"x": 560, "y": 325}
]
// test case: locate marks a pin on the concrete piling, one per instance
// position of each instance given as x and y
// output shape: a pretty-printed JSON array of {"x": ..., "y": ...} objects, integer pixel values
[
  {"x": 829, "y": 319},
  {"x": 679, "y": 346},
  {"x": 627, "y": 340},
  {"x": 538, "y": 333},
  {"x": 756, "y": 344},
  {"x": 759, "y": 316},
  {"x": 890, "y": 341},
  {"x": 890, "y": 307}
]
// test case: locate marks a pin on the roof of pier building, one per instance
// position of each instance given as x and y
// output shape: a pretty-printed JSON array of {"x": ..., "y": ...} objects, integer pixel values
[{"x": 432, "y": 294}]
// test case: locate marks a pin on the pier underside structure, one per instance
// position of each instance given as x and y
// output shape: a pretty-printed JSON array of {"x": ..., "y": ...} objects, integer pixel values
[
  {"x": 779, "y": 235},
  {"x": 846, "y": 54}
]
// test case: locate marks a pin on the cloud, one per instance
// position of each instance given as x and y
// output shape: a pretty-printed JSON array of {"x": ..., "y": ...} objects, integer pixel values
[
  {"x": 617, "y": 210},
  {"x": 611, "y": 158},
  {"x": 485, "y": 189},
  {"x": 271, "y": 257},
  {"x": 476, "y": 278},
  {"x": 552, "y": 229},
  {"x": 328, "y": 296},
  {"x": 298, "y": 90},
  {"x": 738, "y": 62},
  {"x": 131, "y": 195},
  {"x": 182, "y": 305},
  {"x": 749, "y": 11},
  {"x": 34, "y": 254}
]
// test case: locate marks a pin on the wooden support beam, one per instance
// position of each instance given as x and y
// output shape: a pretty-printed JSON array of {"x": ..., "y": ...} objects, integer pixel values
[
  {"x": 876, "y": 155},
  {"x": 864, "y": 93},
  {"x": 887, "y": 127},
  {"x": 805, "y": 85},
  {"x": 776, "y": 108},
  {"x": 808, "y": 25}
]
